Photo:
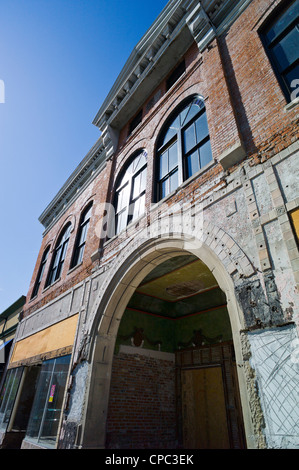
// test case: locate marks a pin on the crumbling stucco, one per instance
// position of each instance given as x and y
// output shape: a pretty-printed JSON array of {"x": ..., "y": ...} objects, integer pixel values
[
  {"x": 276, "y": 371},
  {"x": 257, "y": 417}
]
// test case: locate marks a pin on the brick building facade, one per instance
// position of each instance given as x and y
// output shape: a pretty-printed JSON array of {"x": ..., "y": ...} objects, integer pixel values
[{"x": 165, "y": 293}]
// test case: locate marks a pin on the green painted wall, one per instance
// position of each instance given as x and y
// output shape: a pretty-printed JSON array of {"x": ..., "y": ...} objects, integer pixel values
[{"x": 173, "y": 333}]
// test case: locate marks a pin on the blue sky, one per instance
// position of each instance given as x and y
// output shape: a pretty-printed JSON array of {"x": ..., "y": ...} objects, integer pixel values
[{"x": 58, "y": 61}]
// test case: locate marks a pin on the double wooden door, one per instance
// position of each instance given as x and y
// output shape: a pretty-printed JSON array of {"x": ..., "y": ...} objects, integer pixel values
[{"x": 211, "y": 416}]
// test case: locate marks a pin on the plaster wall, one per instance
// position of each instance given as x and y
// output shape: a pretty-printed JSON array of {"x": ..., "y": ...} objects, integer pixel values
[{"x": 275, "y": 361}]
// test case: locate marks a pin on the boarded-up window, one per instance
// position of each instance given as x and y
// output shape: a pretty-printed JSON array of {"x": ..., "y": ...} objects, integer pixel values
[{"x": 295, "y": 222}]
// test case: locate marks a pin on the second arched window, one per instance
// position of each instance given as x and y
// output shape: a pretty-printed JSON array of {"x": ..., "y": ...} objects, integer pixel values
[{"x": 130, "y": 191}]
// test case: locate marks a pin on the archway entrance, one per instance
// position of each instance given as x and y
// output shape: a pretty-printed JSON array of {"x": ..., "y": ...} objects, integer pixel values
[{"x": 174, "y": 382}]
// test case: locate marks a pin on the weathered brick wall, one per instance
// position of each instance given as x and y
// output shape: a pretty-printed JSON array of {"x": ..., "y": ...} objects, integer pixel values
[
  {"x": 95, "y": 192},
  {"x": 244, "y": 103},
  {"x": 142, "y": 403}
]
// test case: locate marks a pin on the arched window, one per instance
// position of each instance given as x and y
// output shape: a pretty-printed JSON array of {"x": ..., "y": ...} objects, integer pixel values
[
  {"x": 59, "y": 255},
  {"x": 130, "y": 191},
  {"x": 81, "y": 236},
  {"x": 40, "y": 272},
  {"x": 280, "y": 36},
  {"x": 183, "y": 147}
]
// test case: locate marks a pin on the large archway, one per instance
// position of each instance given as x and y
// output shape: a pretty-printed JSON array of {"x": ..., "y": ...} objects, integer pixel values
[
  {"x": 173, "y": 381},
  {"x": 112, "y": 309}
]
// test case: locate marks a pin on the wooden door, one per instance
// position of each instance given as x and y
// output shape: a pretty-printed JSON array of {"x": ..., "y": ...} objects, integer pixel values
[
  {"x": 204, "y": 411},
  {"x": 208, "y": 399}
]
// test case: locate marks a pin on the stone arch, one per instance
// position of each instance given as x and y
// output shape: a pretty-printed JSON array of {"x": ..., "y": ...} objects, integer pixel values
[{"x": 132, "y": 266}]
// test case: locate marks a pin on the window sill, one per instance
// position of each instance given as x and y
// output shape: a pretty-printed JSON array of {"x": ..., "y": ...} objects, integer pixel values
[
  {"x": 123, "y": 232},
  {"x": 183, "y": 185},
  {"x": 292, "y": 104},
  {"x": 74, "y": 268},
  {"x": 51, "y": 285}
]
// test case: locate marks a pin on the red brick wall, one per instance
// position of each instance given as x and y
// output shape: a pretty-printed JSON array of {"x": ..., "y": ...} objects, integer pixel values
[
  {"x": 96, "y": 192},
  {"x": 244, "y": 102},
  {"x": 142, "y": 403}
]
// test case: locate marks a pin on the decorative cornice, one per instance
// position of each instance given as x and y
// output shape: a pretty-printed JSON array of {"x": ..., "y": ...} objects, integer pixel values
[
  {"x": 192, "y": 20},
  {"x": 179, "y": 24}
]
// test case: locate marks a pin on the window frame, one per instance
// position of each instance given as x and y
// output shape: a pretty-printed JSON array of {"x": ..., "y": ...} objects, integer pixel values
[
  {"x": 79, "y": 247},
  {"x": 40, "y": 273},
  {"x": 177, "y": 73},
  {"x": 62, "y": 245},
  {"x": 178, "y": 138},
  {"x": 137, "y": 119},
  {"x": 121, "y": 183},
  {"x": 48, "y": 401},
  {"x": 269, "y": 45},
  {"x": 8, "y": 395}
]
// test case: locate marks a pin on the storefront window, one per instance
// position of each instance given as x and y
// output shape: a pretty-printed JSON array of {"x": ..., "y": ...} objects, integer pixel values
[
  {"x": 8, "y": 395},
  {"x": 46, "y": 410}
]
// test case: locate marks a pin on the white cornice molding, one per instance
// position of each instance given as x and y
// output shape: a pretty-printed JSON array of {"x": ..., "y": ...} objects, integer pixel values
[
  {"x": 204, "y": 19},
  {"x": 179, "y": 24}
]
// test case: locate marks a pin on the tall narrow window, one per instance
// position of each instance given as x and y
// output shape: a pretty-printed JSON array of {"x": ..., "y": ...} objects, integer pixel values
[
  {"x": 59, "y": 256},
  {"x": 40, "y": 272},
  {"x": 176, "y": 74},
  {"x": 135, "y": 122},
  {"x": 81, "y": 236},
  {"x": 183, "y": 147},
  {"x": 130, "y": 192},
  {"x": 281, "y": 40}
]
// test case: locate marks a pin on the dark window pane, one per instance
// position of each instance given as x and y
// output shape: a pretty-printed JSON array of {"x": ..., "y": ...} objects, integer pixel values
[
  {"x": 287, "y": 50},
  {"x": 176, "y": 74},
  {"x": 135, "y": 122},
  {"x": 63, "y": 252},
  {"x": 201, "y": 125},
  {"x": 83, "y": 234},
  {"x": 87, "y": 215},
  {"x": 192, "y": 164},
  {"x": 283, "y": 22},
  {"x": 58, "y": 257},
  {"x": 290, "y": 76},
  {"x": 189, "y": 138},
  {"x": 205, "y": 154},
  {"x": 41, "y": 272}
]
